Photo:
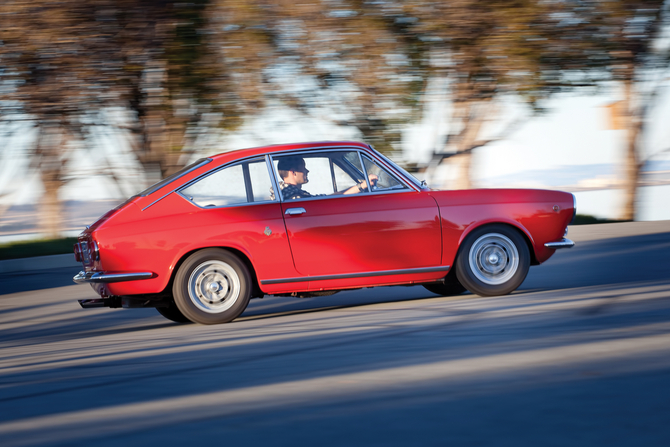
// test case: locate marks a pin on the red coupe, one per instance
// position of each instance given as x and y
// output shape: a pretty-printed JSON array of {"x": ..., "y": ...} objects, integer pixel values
[{"x": 310, "y": 219}]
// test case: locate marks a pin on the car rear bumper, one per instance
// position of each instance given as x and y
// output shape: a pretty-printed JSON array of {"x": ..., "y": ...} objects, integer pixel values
[
  {"x": 563, "y": 243},
  {"x": 106, "y": 277}
]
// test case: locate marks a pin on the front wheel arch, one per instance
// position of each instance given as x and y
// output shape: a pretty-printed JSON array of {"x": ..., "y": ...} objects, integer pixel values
[
  {"x": 493, "y": 260},
  {"x": 521, "y": 230}
]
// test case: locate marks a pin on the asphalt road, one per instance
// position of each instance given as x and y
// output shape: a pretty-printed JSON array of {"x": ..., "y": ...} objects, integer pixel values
[{"x": 578, "y": 356}]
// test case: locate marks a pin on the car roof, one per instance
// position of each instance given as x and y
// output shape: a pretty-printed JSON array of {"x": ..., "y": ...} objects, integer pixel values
[{"x": 315, "y": 145}]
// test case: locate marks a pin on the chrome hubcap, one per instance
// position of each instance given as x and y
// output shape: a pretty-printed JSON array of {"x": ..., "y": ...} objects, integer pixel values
[
  {"x": 214, "y": 286},
  {"x": 494, "y": 259}
]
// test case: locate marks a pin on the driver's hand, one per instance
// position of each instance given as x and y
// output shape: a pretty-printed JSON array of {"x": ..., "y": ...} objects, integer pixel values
[{"x": 373, "y": 179}]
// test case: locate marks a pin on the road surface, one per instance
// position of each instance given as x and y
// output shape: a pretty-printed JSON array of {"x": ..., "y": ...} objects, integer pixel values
[{"x": 578, "y": 356}]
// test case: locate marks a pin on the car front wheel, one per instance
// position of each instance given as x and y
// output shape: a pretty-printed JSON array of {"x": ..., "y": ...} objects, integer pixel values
[
  {"x": 493, "y": 260},
  {"x": 212, "y": 286}
]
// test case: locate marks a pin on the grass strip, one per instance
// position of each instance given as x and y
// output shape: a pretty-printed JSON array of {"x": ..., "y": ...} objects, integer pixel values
[{"x": 29, "y": 249}]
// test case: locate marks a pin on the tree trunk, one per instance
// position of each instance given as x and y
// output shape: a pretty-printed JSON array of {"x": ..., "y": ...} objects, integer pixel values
[
  {"x": 164, "y": 140},
  {"x": 51, "y": 144},
  {"x": 51, "y": 210},
  {"x": 162, "y": 131},
  {"x": 472, "y": 115},
  {"x": 632, "y": 166},
  {"x": 463, "y": 164}
]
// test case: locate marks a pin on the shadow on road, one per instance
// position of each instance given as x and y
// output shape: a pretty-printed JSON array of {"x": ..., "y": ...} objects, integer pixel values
[
  {"x": 577, "y": 356},
  {"x": 607, "y": 261},
  {"x": 36, "y": 280}
]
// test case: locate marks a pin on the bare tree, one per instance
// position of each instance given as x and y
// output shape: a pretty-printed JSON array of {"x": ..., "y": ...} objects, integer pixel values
[
  {"x": 351, "y": 62},
  {"x": 624, "y": 46},
  {"x": 534, "y": 49},
  {"x": 63, "y": 63},
  {"x": 46, "y": 86},
  {"x": 488, "y": 50}
]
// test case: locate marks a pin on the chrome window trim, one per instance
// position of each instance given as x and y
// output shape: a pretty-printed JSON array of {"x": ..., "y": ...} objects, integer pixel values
[
  {"x": 266, "y": 202},
  {"x": 159, "y": 199},
  {"x": 220, "y": 168},
  {"x": 340, "y": 196},
  {"x": 392, "y": 191}
]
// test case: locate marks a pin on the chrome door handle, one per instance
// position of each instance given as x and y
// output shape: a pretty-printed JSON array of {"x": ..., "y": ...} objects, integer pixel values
[{"x": 295, "y": 211}]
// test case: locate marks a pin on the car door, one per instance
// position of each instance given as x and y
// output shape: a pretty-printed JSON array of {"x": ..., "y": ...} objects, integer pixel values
[{"x": 389, "y": 227}]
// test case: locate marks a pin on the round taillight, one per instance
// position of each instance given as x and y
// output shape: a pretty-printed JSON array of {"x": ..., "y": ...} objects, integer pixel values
[{"x": 77, "y": 252}]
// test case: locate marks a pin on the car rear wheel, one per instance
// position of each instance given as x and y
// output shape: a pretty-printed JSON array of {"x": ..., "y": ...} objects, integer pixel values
[
  {"x": 493, "y": 260},
  {"x": 212, "y": 286}
]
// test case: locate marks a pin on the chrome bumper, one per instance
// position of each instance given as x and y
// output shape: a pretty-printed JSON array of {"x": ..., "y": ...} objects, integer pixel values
[
  {"x": 83, "y": 277},
  {"x": 563, "y": 243}
]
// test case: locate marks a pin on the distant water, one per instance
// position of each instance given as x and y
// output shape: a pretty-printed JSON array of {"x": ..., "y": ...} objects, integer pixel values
[
  {"x": 653, "y": 203},
  {"x": 21, "y": 222}
]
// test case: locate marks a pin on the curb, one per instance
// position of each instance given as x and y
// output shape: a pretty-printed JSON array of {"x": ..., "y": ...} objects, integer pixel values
[{"x": 38, "y": 263}]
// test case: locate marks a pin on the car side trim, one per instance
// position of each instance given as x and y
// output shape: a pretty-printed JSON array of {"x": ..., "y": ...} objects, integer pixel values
[
  {"x": 83, "y": 277},
  {"x": 563, "y": 243},
  {"x": 442, "y": 268}
]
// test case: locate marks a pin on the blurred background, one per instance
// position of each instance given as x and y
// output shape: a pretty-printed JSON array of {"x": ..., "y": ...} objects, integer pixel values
[{"x": 101, "y": 98}]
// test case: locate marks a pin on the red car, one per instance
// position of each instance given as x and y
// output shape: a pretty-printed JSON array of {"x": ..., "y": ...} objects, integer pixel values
[{"x": 310, "y": 219}]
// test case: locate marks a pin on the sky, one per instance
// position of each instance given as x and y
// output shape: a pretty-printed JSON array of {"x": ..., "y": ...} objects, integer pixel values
[{"x": 569, "y": 147}]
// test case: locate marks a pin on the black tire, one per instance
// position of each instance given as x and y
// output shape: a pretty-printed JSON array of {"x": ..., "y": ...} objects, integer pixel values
[
  {"x": 212, "y": 286},
  {"x": 450, "y": 287},
  {"x": 493, "y": 260},
  {"x": 173, "y": 313}
]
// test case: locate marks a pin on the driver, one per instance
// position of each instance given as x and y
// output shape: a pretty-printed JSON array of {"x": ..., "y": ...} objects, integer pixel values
[{"x": 294, "y": 174}]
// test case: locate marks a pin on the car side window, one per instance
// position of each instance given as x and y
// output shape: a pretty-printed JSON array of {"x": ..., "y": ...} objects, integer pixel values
[
  {"x": 320, "y": 181},
  {"x": 318, "y": 174},
  {"x": 342, "y": 179},
  {"x": 261, "y": 184},
  {"x": 242, "y": 183},
  {"x": 385, "y": 180}
]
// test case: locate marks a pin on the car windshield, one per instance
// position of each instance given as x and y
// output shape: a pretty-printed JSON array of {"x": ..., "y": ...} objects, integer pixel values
[
  {"x": 169, "y": 179},
  {"x": 401, "y": 170}
]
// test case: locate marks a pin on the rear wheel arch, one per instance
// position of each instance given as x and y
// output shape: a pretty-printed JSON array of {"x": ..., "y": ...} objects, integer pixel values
[
  {"x": 240, "y": 254},
  {"x": 212, "y": 286}
]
